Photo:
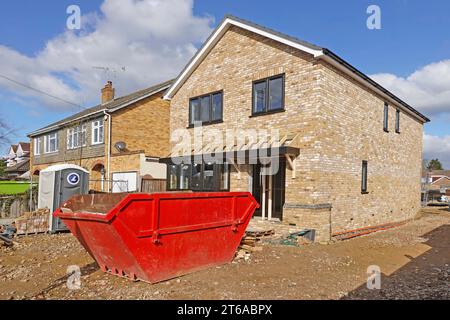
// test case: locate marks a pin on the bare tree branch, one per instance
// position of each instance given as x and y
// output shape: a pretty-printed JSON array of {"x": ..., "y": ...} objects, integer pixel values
[{"x": 5, "y": 133}]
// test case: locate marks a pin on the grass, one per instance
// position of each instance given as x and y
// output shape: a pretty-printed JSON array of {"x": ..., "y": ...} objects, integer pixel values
[{"x": 13, "y": 187}]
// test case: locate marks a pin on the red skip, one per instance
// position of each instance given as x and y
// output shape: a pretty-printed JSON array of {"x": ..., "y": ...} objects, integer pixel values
[{"x": 156, "y": 237}]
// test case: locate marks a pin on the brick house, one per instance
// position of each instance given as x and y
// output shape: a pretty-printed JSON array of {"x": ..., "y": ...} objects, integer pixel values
[
  {"x": 349, "y": 151},
  {"x": 18, "y": 161},
  {"x": 118, "y": 141}
]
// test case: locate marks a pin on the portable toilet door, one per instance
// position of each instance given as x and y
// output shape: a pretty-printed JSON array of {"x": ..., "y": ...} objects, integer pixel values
[{"x": 67, "y": 181}]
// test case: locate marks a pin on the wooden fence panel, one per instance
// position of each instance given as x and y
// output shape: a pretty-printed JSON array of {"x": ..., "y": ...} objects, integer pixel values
[{"x": 153, "y": 185}]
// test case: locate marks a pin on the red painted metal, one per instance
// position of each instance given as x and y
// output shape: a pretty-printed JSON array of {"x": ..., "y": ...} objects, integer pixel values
[{"x": 156, "y": 237}]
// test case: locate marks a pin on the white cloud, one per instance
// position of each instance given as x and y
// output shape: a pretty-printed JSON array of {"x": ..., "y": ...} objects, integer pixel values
[
  {"x": 437, "y": 147},
  {"x": 427, "y": 89},
  {"x": 152, "y": 39}
]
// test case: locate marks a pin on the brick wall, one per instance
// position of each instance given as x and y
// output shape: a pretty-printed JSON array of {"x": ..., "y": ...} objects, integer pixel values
[
  {"x": 144, "y": 126},
  {"x": 340, "y": 124}
]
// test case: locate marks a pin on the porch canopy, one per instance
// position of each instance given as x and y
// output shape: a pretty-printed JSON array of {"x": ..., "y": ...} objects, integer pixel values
[{"x": 247, "y": 151}]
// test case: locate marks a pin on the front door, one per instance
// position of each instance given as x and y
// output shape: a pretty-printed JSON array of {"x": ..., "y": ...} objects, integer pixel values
[{"x": 268, "y": 190}]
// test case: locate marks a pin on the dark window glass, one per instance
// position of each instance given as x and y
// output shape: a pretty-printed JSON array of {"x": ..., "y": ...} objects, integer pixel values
[
  {"x": 208, "y": 177},
  {"x": 259, "y": 99},
  {"x": 364, "y": 177},
  {"x": 196, "y": 183},
  {"x": 386, "y": 117},
  {"x": 397, "y": 121},
  {"x": 199, "y": 177},
  {"x": 216, "y": 108},
  {"x": 173, "y": 177},
  {"x": 268, "y": 95},
  {"x": 276, "y": 93},
  {"x": 224, "y": 176},
  {"x": 195, "y": 110},
  {"x": 185, "y": 177},
  {"x": 207, "y": 108}
]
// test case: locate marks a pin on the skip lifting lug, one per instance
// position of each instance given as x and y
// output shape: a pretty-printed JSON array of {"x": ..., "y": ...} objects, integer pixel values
[
  {"x": 156, "y": 239},
  {"x": 236, "y": 224}
]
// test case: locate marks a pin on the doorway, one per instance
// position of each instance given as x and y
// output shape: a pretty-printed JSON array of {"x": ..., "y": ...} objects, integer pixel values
[{"x": 269, "y": 191}]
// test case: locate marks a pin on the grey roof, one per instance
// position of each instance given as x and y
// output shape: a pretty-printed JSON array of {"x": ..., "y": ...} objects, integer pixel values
[{"x": 116, "y": 103}]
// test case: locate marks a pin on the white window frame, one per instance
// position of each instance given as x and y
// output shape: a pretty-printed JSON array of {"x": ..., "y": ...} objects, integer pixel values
[
  {"x": 37, "y": 146},
  {"x": 77, "y": 134},
  {"x": 47, "y": 138},
  {"x": 98, "y": 125}
]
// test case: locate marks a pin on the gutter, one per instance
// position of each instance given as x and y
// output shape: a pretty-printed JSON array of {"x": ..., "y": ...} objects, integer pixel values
[{"x": 52, "y": 128}]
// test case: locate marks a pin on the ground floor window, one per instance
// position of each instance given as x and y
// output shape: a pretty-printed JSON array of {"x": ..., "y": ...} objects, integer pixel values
[{"x": 199, "y": 177}]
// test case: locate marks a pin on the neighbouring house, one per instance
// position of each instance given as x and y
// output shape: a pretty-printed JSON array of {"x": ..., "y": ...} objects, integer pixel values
[
  {"x": 118, "y": 141},
  {"x": 438, "y": 180},
  {"x": 349, "y": 152},
  {"x": 18, "y": 161},
  {"x": 434, "y": 175}
]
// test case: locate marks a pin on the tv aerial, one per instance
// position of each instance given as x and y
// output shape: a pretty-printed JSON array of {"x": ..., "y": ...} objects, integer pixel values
[{"x": 110, "y": 72}]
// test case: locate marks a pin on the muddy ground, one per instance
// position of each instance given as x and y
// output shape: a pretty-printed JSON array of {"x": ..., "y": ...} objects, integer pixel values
[{"x": 414, "y": 260}]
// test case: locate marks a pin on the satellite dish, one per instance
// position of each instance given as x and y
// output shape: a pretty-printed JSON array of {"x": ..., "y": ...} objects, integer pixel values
[{"x": 120, "y": 146}]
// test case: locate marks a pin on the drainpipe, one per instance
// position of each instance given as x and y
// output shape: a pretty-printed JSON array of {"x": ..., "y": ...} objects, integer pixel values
[{"x": 108, "y": 172}]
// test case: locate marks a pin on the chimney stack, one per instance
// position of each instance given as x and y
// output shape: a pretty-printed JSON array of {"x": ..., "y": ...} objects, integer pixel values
[{"x": 107, "y": 93}]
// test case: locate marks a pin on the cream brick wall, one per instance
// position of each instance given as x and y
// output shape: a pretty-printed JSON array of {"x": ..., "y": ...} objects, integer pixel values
[{"x": 340, "y": 124}]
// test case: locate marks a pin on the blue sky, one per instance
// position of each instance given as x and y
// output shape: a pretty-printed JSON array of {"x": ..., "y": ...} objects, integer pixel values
[{"x": 414, "y": 35}]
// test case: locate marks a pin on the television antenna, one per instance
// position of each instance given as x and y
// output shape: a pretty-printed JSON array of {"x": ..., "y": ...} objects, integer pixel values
[{"x": 108, "y": 71}]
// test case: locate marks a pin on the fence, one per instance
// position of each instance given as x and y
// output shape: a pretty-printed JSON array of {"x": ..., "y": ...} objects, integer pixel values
[
  {"x": 14, "y": 206},
  {"x": 15, "y": 199},
  {"x": 153, "y": 185}
]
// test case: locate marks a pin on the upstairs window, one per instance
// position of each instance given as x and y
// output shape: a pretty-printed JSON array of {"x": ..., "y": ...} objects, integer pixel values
[
  {"x": 206, "y": 109},
  {"x": 76, "y": 137},
  {"x": 386, "y": 118},
  {"x": 51, "y": 143},
  {"x": 37, "y": 146},
  {"x": 97, "y": 132},
  {"x": 268, "y": 95},
  {"x": 364, "y": 177},
  {"x": 397, "y": 121}
]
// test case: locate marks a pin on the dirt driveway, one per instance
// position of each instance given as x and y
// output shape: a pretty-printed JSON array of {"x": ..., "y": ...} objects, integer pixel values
[{"x": 414, "y": 260}]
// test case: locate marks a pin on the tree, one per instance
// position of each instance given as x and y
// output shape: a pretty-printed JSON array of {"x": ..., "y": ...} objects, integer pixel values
[
  {"x": 434, "y": 164},
  {"x": 2, "y": 167},
  {"x": 5, "y": 133}
]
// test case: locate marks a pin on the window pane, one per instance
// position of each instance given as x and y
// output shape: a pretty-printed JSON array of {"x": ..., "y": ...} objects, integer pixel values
[
  {"x": 204, "y": 102},
  {"x": 95, "y": 135},
  {"x": 196, "y": 177},
  {"x": 259, "y": 97},
  {"x": 100, "y": 133},
  {"x": 83, "y": 136},
  {"x": 195, "y": 110},
  {"x": 173, "y": 177},
  {"x": 185, "y": 176},
  {"x": 397, "y": 122},
  {"x": 364, "y": 177},
  {"x": 276, "y": 93},
  {"x": 224, "y": 183},
  {"x": 386, "y": 117},
  {"x": 208, "y": 177},
  {"x": 217, "y": 106}
]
